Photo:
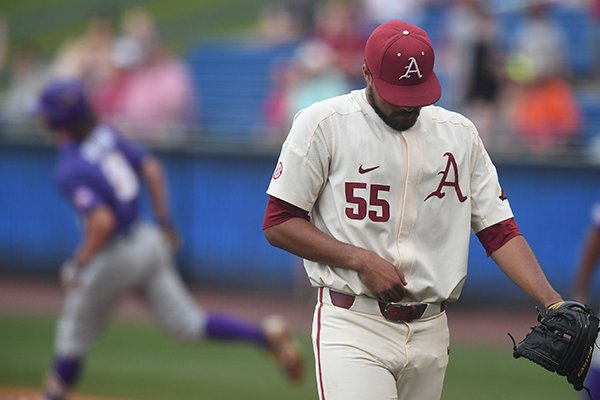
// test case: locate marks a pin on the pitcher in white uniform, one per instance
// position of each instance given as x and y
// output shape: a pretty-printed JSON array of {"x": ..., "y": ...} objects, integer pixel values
[{"x": 378, "y": 190}]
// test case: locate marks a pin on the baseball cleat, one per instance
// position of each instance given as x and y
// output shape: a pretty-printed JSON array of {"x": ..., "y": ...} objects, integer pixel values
[
  {"x": 53, "y": 389},
  {"x": 283, "y": 348}
]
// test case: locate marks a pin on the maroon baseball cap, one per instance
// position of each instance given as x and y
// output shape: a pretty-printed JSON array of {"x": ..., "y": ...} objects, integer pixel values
[{"x": 400, "y": 57}]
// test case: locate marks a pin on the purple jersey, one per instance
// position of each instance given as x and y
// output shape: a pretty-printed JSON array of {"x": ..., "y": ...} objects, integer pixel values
[{"x": 103, "y": 169}]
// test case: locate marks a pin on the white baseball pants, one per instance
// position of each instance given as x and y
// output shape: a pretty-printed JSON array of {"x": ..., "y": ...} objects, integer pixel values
[
  {"x": 140, "y": 260},
  {"x": 362, "y": 356}
]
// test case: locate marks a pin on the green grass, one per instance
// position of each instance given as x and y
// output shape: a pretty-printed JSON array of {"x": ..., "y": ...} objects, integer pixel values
[
  {"x": 139, "y": 361},
  {"x": 182, "y": 23},
  {"x": 477, "y": 372}
]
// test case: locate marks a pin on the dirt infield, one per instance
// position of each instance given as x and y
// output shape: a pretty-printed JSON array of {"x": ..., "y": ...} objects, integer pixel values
[
  {"x": 20, "y": 393},
  {"x": 479, "y": 326},
  {"x": 44, "y": 297}
]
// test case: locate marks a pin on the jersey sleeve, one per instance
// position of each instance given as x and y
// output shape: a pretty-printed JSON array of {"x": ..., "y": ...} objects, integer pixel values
[
  {"x": 595, "y": 215},
  {"x": 489, "y": 203},
  {"x": 80, "y": 194},
  {"x": 303, "y": 163},
  {"x": 497, "y": 235},
  {"x": 279, "y": 211}
]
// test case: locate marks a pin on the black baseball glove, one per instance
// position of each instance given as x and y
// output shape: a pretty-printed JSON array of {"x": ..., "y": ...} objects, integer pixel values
[{"x": 563, "y": 341}]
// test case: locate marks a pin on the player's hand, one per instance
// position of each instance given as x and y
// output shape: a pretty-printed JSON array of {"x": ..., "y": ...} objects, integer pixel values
[
  {"x": 383, "y": 279},
  {"x": 69, "y": 274},
  {"x": 172, "y": 236}
]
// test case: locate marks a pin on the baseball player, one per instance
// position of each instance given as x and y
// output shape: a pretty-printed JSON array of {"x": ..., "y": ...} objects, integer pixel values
[
  {"x": 378, "y": 190},
  {"x": 590, "y": 254},
  {"x": 102, "y": 174}
]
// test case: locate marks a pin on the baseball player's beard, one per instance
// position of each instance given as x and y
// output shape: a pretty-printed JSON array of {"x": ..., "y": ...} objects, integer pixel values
[{"x": 398, "y": 120}]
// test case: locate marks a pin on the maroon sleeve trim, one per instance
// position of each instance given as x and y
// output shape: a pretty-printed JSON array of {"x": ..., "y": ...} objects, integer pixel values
[
  {"x": 495, "y": 236},
  {"x": 279, "y": 211}
]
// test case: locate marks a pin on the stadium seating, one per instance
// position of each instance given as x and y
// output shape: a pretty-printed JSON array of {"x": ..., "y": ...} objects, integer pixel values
[
  {"x": 589, "y": 102},
  {"x": 232, "y": 81},
  {"x": 233, "y": 78}
]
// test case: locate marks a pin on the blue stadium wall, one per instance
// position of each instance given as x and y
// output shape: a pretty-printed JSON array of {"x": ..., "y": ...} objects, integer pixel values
[{"x": 218, "y": 199}]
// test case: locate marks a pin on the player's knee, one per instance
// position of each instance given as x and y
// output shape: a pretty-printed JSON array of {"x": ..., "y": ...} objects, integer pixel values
[
  {"x": 187, "y": 334},
  {"x": 186, "y": 330}
]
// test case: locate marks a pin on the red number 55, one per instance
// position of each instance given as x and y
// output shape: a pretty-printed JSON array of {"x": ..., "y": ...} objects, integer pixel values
[{"x": 376, "y": 208}]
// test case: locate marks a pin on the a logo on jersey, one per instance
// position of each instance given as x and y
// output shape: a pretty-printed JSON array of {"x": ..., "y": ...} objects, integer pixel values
[
  {"x": 83, "y": 197},
  {"x": 411, "y": 68},
  {"x": 446, "y": 182},
  {"x": 362, "y": 170},
  {"x": 278, "y": 170}
]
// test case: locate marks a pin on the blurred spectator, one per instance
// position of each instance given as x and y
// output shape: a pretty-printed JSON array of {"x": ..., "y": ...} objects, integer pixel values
[
  {"x": 318, "y": 76},
  {"x": 138, "y": 24},
  {"x": 545, "y": 114},
  {"x": 126, "y": 57},
  {"x": 26, "y": 75},
  {"x": 543, "y": 110},
  {"x": 309, "y": 77},
  {"x": 379, "y": 11},
  {"x": 286, "y": 21},
  {"x": 87, "y": 57},
  {"x": 471, "y": 58},
  {"x": 276, "y": 107},
  {"x": 339, "y": 25},
  {"x": 541, "y": 41},
  {"x": 323, "y": 66},
  {"x": 149, "y": 94}
]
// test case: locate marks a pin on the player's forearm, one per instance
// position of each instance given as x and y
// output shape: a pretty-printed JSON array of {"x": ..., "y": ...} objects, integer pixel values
[
  {"x": 517, "y": 261},
  {"x": 157, "y": 189},
  {"x": 303, "y": 239},
  {"x": 589, "y": 260},
  {"x": 88, "y": 247}
]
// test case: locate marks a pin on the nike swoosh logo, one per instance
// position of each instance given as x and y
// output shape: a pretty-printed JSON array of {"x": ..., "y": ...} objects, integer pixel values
[{"x": 362, "y": 170}]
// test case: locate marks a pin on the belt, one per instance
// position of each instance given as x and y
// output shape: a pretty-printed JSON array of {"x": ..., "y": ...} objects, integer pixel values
[{"x": 390, "y": 311}]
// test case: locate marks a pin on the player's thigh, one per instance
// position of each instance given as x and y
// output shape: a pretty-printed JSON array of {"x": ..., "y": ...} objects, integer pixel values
[
  {"x": 86, "y": 309},
  {"x": 355, "y": 378},
  {"x": 427, "y": 358},
  {"x": 353, "y": 361},
  {"x": 173, "y": 305}
]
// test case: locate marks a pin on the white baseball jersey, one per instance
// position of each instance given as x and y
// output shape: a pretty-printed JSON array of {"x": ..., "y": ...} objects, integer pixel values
[{"x": 411, "y": 197}]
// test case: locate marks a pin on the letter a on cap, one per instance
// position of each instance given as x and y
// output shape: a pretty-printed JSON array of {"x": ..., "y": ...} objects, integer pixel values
[{"x": 412, "y": 67}]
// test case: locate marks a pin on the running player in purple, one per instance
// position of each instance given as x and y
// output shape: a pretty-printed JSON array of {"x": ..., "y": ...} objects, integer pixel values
[
  {"x": 102, "y": 175},
  {"x": 582, "y": 285}
]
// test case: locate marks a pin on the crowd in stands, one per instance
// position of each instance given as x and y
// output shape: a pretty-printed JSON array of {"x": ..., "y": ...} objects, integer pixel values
[
  {"x": 520, "y": 92},
  {"x": 506, "y": 65},
  {"x": 135, "y": 83}
]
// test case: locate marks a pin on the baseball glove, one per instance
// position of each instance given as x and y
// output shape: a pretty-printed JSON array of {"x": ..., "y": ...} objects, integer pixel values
[{"x": 562, "y": 341}]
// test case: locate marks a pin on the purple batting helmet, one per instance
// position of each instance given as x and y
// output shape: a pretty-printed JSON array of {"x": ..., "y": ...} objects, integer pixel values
[{"x": 63, "y": 103}]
